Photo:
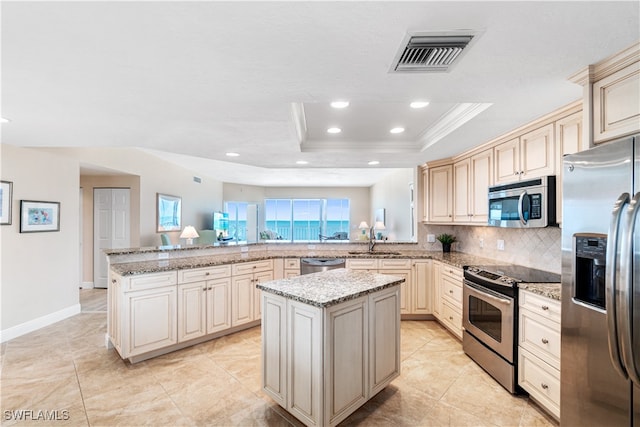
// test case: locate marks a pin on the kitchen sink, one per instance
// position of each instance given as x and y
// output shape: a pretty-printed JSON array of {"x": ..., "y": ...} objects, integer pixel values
[{"x": 374, "y": 253}]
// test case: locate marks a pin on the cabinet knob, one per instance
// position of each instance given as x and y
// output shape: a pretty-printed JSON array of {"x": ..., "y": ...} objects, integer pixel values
[
  {"x": 516, "y": 173},
  {"x": 204, "y": 289},
  {"x": 544, "y": 386},
  {"x": 450, "y": 291},
  {"x": 545, "y": 307},
  {"x": 544, "y": 341},
  {"x": 207, "y": 273},
  {"x": 451, "y": 318}
]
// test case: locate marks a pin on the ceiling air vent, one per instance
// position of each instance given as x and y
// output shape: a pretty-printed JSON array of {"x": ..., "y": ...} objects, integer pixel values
[{"x": 430, "y": 53}]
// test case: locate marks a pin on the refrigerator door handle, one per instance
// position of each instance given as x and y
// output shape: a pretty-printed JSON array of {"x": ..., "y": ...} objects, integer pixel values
[
  {"x": 611, "y": 283},
  {"x": 625, "y": 292}
]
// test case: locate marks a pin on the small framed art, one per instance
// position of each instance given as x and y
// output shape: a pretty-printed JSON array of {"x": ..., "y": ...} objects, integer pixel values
[{"x": 39, "y": 216}]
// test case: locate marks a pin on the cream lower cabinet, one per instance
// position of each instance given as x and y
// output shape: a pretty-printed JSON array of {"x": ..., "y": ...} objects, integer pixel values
[
  {"x": 395, "y": 267},
  {"x": 291, "y": 267},
  {"x": 421, "y": 287},
  {"x": 147, "y": 308},
  {"x": 204, "y": 301},
  {"x": 245, "y": 296},
  {"x": 539, "y": 349},
  {"x": 449, "y": 298},
  {"x": 321, "y": 364}
]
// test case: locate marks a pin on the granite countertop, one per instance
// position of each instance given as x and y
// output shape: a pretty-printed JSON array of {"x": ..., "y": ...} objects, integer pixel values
[
  {"x": 330, "y": 287},
  {"x": 549, "y": 290},
  {"x": 457, "y": 259}
]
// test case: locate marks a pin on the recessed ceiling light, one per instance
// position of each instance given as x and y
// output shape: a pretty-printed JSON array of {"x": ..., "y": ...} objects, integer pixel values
[
  {"x": 373, "y": 163},
  {"x": 302, "y": 162},
  {"x": 231, "y": 154},
  {"x": 397, "y": 130},
  {"x": 340, "y": 104},
  {"x": 418, "y": 104},
  {"x": 334, "y": 130},
  {"x": 3, "y": 120}
]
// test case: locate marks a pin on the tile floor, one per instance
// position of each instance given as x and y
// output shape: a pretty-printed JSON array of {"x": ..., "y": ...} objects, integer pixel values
[{"x": 66, "y": 368}]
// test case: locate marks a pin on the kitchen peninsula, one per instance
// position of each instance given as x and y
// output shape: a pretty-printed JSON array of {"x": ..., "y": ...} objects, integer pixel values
[{"x": 330, "y": 342}]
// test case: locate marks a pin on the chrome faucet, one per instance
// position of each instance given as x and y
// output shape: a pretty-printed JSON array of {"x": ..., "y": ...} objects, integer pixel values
[{"x": 372, "y": 239}]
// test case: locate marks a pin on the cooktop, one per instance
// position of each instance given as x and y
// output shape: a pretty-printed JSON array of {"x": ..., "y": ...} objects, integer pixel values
[{"x": 511, "y": 274}]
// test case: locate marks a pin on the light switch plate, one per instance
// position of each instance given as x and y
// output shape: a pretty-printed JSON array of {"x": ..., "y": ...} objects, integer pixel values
[
  {"x": 431, "y": 238},
  {"x": 501, "y": 245}
]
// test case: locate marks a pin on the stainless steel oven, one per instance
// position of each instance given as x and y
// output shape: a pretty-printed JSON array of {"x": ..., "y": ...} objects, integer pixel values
[{"x": 490, "y": 317}]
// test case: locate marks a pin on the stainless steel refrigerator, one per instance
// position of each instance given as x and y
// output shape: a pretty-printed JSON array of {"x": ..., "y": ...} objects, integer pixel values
[{"x": 600, "y": 362}]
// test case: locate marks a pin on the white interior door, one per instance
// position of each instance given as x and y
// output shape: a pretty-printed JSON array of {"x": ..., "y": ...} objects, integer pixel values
[{"x": 111, "y": 228}]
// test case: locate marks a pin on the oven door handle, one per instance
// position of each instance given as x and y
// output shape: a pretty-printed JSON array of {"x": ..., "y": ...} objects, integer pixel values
[{"x": 488, "y": 293}]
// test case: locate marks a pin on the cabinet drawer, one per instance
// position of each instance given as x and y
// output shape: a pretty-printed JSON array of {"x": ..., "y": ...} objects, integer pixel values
[
  {"x": 540, "y": 380},
  {"x": 541, "y": 337},
  {"x": 394, "y": 263},
  {"x": 362, "y": 264},
  {"x": 454, "y": 272},
  {"x": 200, "y": 274},
  {"x": 149, "y": 281},
  {"x": 452, "y": 291},
  {"x": 252, "y": 267},
  {"x": 543, "y": 306},
  {"x": 452, "y": 318},
  {"x": 291, "y": 263}
]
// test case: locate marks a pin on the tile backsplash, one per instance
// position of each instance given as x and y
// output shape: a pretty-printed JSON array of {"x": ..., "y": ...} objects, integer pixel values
[{"x": 536, "y": 247}]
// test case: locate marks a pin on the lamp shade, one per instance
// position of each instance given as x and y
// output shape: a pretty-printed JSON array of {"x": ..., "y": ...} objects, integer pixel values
[
  {"x": 189, "y": 233},
  {"x": 363, "y": 225},
  {"x": 379, "y": 225}
]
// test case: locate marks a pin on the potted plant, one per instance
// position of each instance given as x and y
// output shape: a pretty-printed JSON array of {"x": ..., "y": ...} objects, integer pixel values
[{"x": 446, "y": 240}]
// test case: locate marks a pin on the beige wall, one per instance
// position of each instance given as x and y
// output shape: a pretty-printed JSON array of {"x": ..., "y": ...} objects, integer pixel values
[
  {"x": 40, "y": 271},
  {"x": 393, "y": 195},
  {"x": 90, "y": 182}
]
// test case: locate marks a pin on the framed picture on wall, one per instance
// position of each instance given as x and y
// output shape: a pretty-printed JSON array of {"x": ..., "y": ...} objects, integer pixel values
[
  {"x": 168, "y": 212},
  {"x": 6, "y": 200},
  {"x": 36, "y": 217}
]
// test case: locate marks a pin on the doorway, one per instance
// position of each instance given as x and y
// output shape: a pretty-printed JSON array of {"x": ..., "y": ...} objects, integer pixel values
[{"x": 111, "y": 228}]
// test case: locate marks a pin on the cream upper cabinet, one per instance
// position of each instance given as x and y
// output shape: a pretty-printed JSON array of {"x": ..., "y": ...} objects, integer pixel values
[
  {"x": 481, "y": 179},
  {"x": 461, "y": 191},
  {"x": 441, "y": 194},
  {"x": 568, "y": 141},
  {"x": 424, "y": 172},
  {"x": 530, "y": 156},
  {"x": 616, "y": 104}
]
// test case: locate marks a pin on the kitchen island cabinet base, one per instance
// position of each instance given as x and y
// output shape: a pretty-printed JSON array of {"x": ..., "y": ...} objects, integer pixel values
[{"x": 322, "y": 364}]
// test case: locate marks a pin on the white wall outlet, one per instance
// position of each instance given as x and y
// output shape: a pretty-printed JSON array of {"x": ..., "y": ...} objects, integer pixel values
[
  {"x": 482, "y": 243},
  {"x": 163, "y": 256},
  {"x": 501, "y": 245},
  {"x": 244, "y": 249},
  {"x": 431, "y": 238},
  {"x": 311, "y": 246}
]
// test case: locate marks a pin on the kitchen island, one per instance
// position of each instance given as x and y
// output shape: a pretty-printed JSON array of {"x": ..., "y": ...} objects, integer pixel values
[{"x": 330, "y": 342}]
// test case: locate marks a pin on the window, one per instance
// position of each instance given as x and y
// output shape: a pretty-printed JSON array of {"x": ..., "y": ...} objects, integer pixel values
[
  {"x": 237, "y": 220},
  {"x": 297, "y": 220}
]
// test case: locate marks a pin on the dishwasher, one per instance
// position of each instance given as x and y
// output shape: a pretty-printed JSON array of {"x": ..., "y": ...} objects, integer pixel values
[{"x": 316, "y": 265}]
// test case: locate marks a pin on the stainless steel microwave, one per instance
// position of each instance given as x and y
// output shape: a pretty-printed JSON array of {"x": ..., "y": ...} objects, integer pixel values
[{"x": 523, "y": 204}]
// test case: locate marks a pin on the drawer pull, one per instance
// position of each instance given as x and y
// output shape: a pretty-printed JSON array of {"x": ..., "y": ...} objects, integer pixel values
[
  {"x": 545, "y": 341},
  {"x": 207, "y": 273},
  {"x": 450, "y": 291},
  {"x": 544, "y": 386},
  {"x": 545, "y": 307},
  {"x": 451, "y": 318},
  {"x": 204, "y": 289}
]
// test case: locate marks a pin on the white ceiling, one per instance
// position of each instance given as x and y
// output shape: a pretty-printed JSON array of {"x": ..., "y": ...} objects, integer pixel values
[{"x": 199, "y": 79}]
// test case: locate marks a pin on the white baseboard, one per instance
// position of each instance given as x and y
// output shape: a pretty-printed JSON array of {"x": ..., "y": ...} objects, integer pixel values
[
  {"x": 40, "y": 322},
  {"x": 86, "y": 285}
]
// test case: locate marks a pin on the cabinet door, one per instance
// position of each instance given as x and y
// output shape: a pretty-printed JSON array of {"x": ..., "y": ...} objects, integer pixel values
[
  {"x": 568, "y": 141},
  {"x": 461, "y": 190},
  {"x": 441, "y": 194},
  {"x": 346, "y": 354},
  {"x": 507, "y": 158},
  {"x": 422, "y": 287},
  {"x": 151, "y": 317},
  {"x": 537, "y": 153},
  {"x": 437, "y": 284},
  {"x": 384, "y": 344},
  {"x": 242, "y": 295},
  {"x": 481, "y": 180},
  {"x": 192, "y": 311},
  {"x": 616, "y": 104},
  {"x": 405, "y": 288},
  {"x": 274, "y": 348},
  {"x": 264, "y": 276},
  {"x": 218, "y": 305},
  {"x": 425, "y": 193}
]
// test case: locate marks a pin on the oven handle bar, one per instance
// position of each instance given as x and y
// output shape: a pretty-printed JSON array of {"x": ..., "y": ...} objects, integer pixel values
[{"x": 492, "y": 295}]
